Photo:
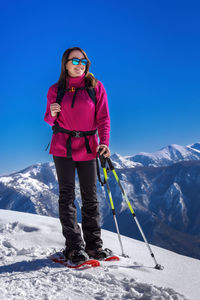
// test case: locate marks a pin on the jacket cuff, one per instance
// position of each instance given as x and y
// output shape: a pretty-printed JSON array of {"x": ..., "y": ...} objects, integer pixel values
[{"x": 104, "y": 141}]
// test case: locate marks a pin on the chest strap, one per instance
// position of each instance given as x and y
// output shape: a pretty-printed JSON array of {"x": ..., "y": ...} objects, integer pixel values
[
  {"x": 76, "y": 134},
  {"x": 75, "y": 90}
]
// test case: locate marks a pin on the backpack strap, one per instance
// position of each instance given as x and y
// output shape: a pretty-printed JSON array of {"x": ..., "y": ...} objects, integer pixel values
[
  {"x": 60, "y": 94},
  {"x": 75, "y": 90},
  {"x": 92, "y": 94}
]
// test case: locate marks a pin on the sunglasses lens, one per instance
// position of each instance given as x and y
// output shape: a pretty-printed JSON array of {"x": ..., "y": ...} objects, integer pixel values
[
  {"x": 75, "y": 61},
  {"x": 84, "y": 62}
]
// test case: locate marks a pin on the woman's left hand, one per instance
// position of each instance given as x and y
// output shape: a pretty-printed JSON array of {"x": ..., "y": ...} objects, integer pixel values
[{"x": 104, "y": 150}]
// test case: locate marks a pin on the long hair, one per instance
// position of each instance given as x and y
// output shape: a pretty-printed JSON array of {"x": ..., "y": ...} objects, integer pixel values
[{"x": 90, "y": 80}]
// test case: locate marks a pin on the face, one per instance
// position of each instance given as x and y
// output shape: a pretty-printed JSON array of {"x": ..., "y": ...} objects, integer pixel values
[{"x": 75, "y": 70}]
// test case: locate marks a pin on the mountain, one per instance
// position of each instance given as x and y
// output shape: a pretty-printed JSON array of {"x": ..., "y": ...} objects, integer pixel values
[
  {"x": 26, "y": 272},
  {"x": 166, "y": 198},
  {"x": 164, "y": 157},
  {"x": 195, "y": 146},
  {"x": 121, "y": 162},
  {"x": 33, "y": 190}
]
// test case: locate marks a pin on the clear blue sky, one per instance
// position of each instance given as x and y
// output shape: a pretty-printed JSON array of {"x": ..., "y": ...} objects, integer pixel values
[{"x": 146, "y": 53}]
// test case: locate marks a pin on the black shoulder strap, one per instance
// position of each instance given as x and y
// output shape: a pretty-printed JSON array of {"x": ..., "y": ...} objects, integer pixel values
[
  {"x": 92, "y": 94},
  {"x": 60, "y": 94}
]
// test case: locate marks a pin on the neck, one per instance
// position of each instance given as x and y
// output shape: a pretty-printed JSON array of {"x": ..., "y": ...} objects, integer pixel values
[{"x": 76, "y": 81}]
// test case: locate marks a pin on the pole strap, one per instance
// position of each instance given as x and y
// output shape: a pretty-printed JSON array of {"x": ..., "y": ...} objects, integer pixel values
[{"x": 103, "y": 165}]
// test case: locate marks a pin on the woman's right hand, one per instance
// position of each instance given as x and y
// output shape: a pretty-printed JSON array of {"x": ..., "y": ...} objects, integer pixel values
[{"x": 55, "y": 108}]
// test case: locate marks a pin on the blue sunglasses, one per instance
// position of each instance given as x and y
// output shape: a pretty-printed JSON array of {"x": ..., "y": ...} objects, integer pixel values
[{"x": 76, "y": 61}]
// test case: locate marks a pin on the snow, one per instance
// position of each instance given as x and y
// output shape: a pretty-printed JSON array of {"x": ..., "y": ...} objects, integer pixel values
[
  {"x": 167, "y": 152},
  {"x": 121, "y": 162},
  {"x": 30, "y": 185},
  {"x": 168, "y": 155},
  {"x": 195, "y": 146},
  {"x": 26, "y": 273}
]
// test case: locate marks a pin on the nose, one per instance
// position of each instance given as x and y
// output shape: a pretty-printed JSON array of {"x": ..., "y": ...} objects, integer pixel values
[{"x": 80, "y": 63}]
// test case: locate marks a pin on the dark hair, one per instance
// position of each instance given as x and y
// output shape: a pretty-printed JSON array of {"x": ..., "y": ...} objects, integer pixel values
[{"x": 90, "y": 80}]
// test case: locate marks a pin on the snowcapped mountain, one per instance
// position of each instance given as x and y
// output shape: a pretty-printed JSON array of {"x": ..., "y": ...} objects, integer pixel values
[
  {"x": 195, "y": 146},
  {"x": 33, "y": 190},
  {"x": 26, "y": 272},
  {"x": 121, "y": 162},
  {"x": 166, "y": 199},
  {"x": 164, "y": 157}
]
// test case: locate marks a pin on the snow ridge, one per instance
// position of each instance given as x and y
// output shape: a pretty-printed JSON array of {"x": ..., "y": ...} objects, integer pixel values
[{"x": 164, "y": 157}]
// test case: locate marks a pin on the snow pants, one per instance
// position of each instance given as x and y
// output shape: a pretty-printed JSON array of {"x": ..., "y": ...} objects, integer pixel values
[{"x": 65, "y": 169}]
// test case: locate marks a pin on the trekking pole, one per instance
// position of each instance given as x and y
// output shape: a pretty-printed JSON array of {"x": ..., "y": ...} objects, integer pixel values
[
  {"x": 103, "y": 164},
  {"x": 157, "y": 266}
]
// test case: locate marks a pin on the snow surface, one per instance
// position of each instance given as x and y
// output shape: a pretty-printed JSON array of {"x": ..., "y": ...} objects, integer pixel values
[{"x": 26, "y": 273}]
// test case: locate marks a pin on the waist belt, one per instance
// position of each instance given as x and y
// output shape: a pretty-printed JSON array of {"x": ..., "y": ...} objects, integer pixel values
[{"x": 73, "y": 133}]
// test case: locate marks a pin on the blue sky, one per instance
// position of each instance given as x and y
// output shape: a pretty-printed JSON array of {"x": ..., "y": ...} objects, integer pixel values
[{"x": 146, "y": 53}]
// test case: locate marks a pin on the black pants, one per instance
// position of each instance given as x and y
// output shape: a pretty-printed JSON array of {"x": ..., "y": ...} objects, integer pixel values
[{"x": 65, "y": 168}]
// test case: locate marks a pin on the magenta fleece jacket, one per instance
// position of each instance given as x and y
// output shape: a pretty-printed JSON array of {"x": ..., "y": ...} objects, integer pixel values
[{"x": 80, "y": 118}]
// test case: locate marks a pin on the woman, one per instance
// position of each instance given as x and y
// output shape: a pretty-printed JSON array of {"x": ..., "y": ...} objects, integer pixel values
[{"x": 75, "y": 145}]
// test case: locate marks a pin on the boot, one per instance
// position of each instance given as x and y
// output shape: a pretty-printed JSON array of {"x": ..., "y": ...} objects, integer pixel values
[
  {"x": 76, "y": 256},
  {"x": 99, "y": 253}
]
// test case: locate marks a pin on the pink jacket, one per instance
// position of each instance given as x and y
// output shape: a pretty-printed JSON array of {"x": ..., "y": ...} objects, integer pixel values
[{"x": 80, "y": 118}]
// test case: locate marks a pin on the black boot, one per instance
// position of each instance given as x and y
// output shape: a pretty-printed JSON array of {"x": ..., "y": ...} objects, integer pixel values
[
  {"x": 76, "y": 256},
  {"x": 99, "y": 253}
]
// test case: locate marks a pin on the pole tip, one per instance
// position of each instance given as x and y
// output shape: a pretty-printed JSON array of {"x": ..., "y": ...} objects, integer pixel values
[
  {"x": 125, "y": 255},
  {"x": 159, "y": 267}
]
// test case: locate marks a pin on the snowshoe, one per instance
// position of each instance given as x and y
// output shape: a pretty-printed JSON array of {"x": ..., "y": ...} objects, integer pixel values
[{"x": 59, "y": 257}]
